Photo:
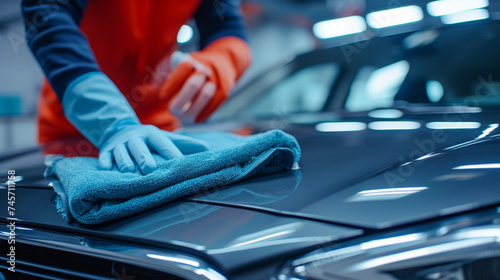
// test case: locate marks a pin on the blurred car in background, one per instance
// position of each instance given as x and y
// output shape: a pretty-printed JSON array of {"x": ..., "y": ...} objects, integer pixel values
[
  {"x": 445, "y": 66},
  {"x": 399, "y": 178}
]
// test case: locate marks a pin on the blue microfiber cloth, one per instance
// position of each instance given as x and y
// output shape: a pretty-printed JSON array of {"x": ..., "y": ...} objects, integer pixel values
[{"x": 93, "y": 196}]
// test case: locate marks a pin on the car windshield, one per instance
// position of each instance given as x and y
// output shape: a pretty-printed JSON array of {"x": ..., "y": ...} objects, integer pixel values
[
  {"x": 303, "y": 91},
  {"x": 444, "y": 66},
  {"x": 451, "y": 65}
]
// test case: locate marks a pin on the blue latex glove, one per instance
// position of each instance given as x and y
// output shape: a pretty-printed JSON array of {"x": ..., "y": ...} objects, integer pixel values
[{"x": 95, "y": 106}]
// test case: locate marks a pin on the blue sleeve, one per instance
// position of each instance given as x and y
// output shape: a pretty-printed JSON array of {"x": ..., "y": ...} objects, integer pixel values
[
  {"x": 216, "y": 19},
  {"x": 54, "y": 38}
]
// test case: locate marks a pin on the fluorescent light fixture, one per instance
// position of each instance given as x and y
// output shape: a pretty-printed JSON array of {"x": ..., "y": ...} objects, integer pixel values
[
  {"x": 385, "y": 114},
  {"x": 453, "y": 125},
  {"x": 446, "y": 7},
  {"x": 384, "y": 194},
  {"x": 487, "y": 131},
  {"x": 479, "y": 166},
  {"x": 393, "y": 17},
  {"x": 396, "y": 125},
  {"x": 466, "y": 16},
  {"x": 339, "y": 27},
  {"x": 340, "y": 126},
  {"x": 174, "y": 259},
  {"x": 185, "y": 34}
]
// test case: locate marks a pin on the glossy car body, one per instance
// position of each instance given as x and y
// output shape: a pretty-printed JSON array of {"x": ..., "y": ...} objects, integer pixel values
[{"x": 407, "y": 192}]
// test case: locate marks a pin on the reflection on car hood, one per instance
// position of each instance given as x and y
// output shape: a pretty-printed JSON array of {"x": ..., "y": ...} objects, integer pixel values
[
  {"x": 388, "y": 173},
  {"x": 380, "y": 176}
]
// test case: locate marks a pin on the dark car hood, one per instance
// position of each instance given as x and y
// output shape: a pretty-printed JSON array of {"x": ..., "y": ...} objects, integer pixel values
[
  {"x": 381, "y": 178},
  {"x": 410, "y": 175}
]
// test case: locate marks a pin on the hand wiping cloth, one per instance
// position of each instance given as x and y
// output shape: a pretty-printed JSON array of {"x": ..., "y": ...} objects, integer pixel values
[{"x": 90, "y": 195}]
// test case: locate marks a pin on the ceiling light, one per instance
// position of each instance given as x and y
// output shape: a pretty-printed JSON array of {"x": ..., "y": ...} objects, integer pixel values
[
  {"x": 466, "y": 16},
  {"x": 393, "y": 17},
  {"x": 339, "y": 27},
  {"x": 446, "y": 7}
]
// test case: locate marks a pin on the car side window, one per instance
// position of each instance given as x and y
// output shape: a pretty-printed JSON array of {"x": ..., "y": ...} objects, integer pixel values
[
  {"x": 304, "y": 91},
  {"x": 376, "y": 87}
]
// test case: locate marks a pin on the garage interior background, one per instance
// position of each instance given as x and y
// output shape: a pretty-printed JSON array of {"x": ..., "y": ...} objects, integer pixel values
[{"x": 278, "y": 30}]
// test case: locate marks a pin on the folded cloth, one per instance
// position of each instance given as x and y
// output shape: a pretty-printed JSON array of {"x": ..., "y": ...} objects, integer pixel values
[{"x": 93, "y": 196}]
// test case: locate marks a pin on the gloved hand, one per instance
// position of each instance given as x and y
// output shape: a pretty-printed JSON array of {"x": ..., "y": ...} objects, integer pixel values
[
  {"x": 202, "y": 80},
  {"x": 95, "y": 106}
]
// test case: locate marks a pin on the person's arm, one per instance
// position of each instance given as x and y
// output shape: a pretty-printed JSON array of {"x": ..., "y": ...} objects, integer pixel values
[
  {"x": 217, "y": 19},
  {"x": 90, "y": 100},
  {"x": 54, "y": 38},
  {"x": 202, "y": 80}
]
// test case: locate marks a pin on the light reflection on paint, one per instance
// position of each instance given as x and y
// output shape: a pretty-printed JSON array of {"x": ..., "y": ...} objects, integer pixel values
[
  {"x": 478, "y": 166},
  {"x": 174, "y": 259},
  {"x": 392, "y": 241},
  {"x": 453, "y": 125},
  {"x": 487, "y": 131},
  {"x": 256, "y": 240},
  {"x": 421, "y": 252},
  {"x": 427, "y": 156},
  {"x": 340, "y": 126},
  {"x": 394, "y": 125},
  {"x": 384, "y": 194}
]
